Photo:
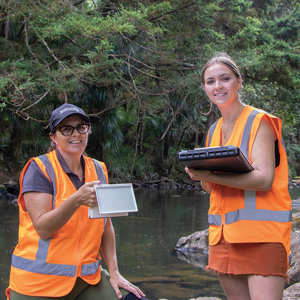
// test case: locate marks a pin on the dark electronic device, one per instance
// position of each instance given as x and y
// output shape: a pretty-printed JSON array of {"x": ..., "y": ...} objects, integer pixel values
[{"x": 228, "y": 159}]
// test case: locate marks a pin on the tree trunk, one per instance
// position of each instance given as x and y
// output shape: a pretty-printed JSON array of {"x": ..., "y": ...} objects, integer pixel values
[{"x": 14, "y": 149}]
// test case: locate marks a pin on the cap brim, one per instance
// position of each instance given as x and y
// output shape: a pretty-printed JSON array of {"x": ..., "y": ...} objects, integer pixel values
[{"x": 85, "y": 118}]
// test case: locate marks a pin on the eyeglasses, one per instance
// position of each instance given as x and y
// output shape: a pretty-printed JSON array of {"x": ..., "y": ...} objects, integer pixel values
[{"x": 68, "y": 129}]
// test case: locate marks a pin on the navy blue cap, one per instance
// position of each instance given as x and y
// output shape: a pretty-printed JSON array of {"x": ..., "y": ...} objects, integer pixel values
[{"x": 65, "y": 111}]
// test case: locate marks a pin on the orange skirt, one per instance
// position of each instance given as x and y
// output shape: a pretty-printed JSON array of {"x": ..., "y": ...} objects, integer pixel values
[{"x": 264, "y": 259}]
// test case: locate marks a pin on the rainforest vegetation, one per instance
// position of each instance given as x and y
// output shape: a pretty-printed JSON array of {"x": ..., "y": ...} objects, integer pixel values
[{"x": 134, "y": 67}]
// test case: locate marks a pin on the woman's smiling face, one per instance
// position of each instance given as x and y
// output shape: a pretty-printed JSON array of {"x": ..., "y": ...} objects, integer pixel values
[
  {"x": 74, "y": 143},
  {"x": 221, "y": 84}
]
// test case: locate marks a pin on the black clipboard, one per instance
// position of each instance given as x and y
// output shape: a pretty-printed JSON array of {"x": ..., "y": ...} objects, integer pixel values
[{"x": 228, "y": 159}]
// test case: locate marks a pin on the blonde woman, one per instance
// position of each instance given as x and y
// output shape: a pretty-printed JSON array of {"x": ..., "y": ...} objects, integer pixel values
[{"x": 250, "y": 213}]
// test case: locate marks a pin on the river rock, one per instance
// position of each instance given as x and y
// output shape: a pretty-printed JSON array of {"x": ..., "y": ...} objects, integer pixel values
[
  {"x": 3, "y": 188},
  {"x": 292, "y": 292},
  {"x": 6, "y": 195},
  {"x": 294, "y": 271},
  {"x": 193, "y": 249},
  {"x": 12, "y": 187},
  {"x": 196, "y": 242},
  {"x": 3, "y": 191}
]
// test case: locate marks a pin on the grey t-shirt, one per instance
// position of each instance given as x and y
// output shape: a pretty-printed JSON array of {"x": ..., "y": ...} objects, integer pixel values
[{"x": 35, "y": 180}]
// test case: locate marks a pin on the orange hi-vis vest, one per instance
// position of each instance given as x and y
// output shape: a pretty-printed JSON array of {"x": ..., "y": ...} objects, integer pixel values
[
  {"x": 49, "y": 268},
  {"x": 251, "y": 216}
]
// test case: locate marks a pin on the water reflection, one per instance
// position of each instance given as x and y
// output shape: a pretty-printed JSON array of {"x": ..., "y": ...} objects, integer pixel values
[
  {"x": 146, "y": 241},
  {"x": 145, "y": 244}
]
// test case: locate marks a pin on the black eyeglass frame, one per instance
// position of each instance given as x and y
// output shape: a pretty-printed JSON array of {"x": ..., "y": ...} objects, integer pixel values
[{"x": 73, "y": 128}]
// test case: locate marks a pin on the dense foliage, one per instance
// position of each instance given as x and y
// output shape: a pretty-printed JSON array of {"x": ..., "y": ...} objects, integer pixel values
[{"x": 134, "y": 67}]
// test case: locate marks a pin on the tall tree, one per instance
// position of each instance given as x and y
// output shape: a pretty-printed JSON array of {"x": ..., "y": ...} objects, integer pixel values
[{"x": 134, "y": 66}]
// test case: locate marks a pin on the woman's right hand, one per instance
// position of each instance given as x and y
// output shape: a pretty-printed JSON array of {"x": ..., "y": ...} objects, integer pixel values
[{"x": 86, "y": 194}]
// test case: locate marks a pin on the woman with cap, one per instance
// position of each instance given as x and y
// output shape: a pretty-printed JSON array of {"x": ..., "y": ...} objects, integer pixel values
[{"x": 57, "y": 255}]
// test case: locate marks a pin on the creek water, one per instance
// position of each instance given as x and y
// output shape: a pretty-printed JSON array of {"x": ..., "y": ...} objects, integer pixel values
[{"x": 145, "y": 244}]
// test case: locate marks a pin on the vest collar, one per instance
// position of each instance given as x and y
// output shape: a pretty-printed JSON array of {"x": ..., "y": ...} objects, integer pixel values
[{"x": 65, "y": 166}]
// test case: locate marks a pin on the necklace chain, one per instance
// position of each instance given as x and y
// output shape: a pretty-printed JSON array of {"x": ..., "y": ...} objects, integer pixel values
[{"x": 234, "y": 119}]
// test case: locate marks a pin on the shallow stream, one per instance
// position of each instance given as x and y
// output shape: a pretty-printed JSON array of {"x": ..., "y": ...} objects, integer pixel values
[{"x": 145, "y": 244}]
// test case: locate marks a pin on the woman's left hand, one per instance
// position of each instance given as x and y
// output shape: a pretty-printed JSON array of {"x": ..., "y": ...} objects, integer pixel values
[
  {"x": 200, "y": 175},
  {"x": 117, "y": 281}
]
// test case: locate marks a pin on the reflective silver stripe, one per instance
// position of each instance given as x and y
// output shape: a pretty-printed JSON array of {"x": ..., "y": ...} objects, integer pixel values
[
  {"x": 258, "y": 215},
  {"x": 101, "y": 177},
  {"x": 89, "y": 269},
  {"x": 42, "y": 252},
  {"x": 251, "y": 213},
  {"x": 214, "y": 220},
  {"x": 282, "y": 142},
  {"x": 246, "y": 134},
  {"x": 53, "y": 269},
  {"x": 99, "y": 171},
  {"x": 211, "y": 131},
  {"x": 39, "y": 265},
  {"x": 45, "y": 160}
]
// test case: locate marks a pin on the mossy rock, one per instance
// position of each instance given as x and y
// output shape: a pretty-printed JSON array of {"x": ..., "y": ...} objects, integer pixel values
[{"x": 296, "y": 221}]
